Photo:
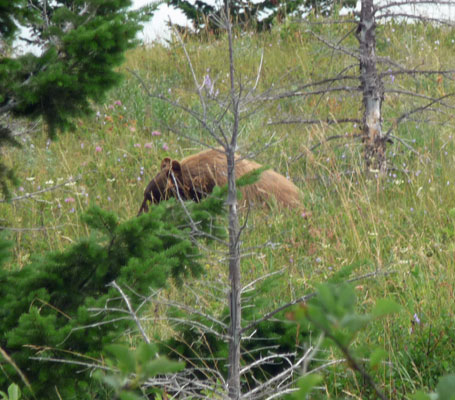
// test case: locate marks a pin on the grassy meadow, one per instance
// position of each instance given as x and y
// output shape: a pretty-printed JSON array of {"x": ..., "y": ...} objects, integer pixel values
[{"x": 402, "y": 224}]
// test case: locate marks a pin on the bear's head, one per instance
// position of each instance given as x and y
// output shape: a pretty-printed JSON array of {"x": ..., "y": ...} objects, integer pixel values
[{"x": 166, "y": 184}]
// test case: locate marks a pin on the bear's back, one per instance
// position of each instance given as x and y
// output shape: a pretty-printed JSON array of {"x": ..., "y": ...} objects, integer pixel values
[
  {"x": 209, "y": 168},
  {"x": 212, "y": 165}
]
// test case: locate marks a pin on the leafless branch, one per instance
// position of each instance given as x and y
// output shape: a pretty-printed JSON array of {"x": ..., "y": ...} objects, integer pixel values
[
  {"x": 416, "y": 110},
  {"x": 34, "y": 229},
  {"x": 98, "y": 324},
  {"x": 267, "y": 386},
  {"x": 316, "y": 121},
  {"x": 305, "y": 298},
  {"x": 334, "y": 137},
  {"x": 200, "y": 119},
  {"x": 192, "y": 310},
  {"x": 393, "y": 14},
  {"x": 190, "y": 65},
  {"x": 9, "y": 360},
  {"x": 416, "y": 71},
  {"x": 409, "y": 147},
  {"x": 261, "y": 278},
  {"x": 392, "y": 4},
  {"x": 327, "y": 21},
  {"x": 350, "y": 52},
  {"x": 131, "y": 311},
  {"x": 299, "y": 90},
  {"x": 348, "y": 89},
  {"x": 265, "y": 360},
  {"x": 199, "y": 325},
  {"x": 421, "y": 96},
  {"x": 30, "y": 195},
  {"x": 193, "y": 224},
  {"x": 188, "y": 385},
  {"x": 73, "y": 362}
]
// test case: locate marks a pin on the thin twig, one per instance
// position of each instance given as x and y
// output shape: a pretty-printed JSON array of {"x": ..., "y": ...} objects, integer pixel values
[
  {"x": 73, "y": 362},
  {"x": 17, "y": 369},
  {"x": 305, "y": 298},
  {"x": 35, "y": 229},
  {"x": 416, "y": 110},
  {"x": 29, "y": 195},
  {"x": 190, "y": 64},
  {"x": 316, "y": 121},
  {"x": 131, "y": 311}
]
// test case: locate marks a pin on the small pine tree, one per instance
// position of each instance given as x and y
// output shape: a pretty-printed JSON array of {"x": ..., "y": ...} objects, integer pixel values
[
  {"x": 44, "y": 306},
  {"x": 81, "y": 43}
]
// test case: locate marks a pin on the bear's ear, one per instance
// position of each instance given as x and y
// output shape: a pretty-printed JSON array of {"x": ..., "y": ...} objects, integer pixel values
[
  {"x": 176, "y": 167},
  {"x": 166, "y": 163},
  {"x": 177, "y": 170}
]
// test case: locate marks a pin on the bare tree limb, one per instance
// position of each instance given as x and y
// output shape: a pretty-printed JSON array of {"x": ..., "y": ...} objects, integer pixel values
[
  {"x": 34, "y": 229},
  {"x": 131, "y": 311},
  {"x": 415, "y": 17},
  {"x": 73, "y": 362},
  {"x": 305, "y": 298},
  {"x": 30, "y": 195},
  {"x": 416, "y": 110},
  {"x": 391, "y": 4},
  {"x": 316, "y": 121}
]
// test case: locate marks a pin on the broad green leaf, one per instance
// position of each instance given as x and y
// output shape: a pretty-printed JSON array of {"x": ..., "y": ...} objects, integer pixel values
[
  {"x": 346, "y": 297},
  {"x": 377, "y": 356},
  {"x": 326, "y": 297},
  {"x": 162, "y": 366},
  {"x": 385, "y": 307},
  {"x": 130, "y": 396},
  {"x": 124, "y": 356},
  {"x": 354, "y": 322},
  {"x": 146, "y": 352},
  {"x": 306, "y": 385},
  {"x": 446, "y": 387},
  {"x": 420, "y": 396}
]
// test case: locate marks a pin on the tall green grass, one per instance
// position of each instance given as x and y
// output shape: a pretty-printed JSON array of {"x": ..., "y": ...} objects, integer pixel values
[{"x": 402, "y": 223}]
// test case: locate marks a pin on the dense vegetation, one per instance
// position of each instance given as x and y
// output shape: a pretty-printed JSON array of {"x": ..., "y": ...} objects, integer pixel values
[{"x": 402, "y": 225}]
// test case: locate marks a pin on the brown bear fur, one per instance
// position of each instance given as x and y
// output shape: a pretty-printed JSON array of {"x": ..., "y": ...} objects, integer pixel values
[{"x": 197, "y": 175}]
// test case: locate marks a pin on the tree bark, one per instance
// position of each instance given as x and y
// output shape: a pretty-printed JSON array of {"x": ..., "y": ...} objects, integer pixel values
[
  {"x": 372, "y": 89},
  {"x": 234, "y": 277},
  {"x": 234, "y": 233}
]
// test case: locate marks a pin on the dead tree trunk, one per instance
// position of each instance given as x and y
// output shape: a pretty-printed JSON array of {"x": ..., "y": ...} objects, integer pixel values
[
  {"x": 372, "y": 89},
  {"x": 235, "y": 285},
  {"x": 234, "y": 233}
]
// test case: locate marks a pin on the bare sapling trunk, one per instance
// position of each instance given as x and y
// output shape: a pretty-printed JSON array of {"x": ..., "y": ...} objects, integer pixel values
[
  {"x": 235, "y": 284},
  {"x": 372, "y": 90},
  {"x": 234, "y": 234}
]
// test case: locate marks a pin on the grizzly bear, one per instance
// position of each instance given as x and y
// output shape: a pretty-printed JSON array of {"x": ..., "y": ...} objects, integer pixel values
[{"x": 195, "y": 177}]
